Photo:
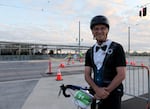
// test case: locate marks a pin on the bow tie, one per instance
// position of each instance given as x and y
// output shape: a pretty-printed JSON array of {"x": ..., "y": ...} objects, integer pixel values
[{"x": 103, "y": 48}]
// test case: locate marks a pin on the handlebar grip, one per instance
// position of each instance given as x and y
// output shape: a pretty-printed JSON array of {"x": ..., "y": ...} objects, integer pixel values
[{"x": 64, "y": 88}]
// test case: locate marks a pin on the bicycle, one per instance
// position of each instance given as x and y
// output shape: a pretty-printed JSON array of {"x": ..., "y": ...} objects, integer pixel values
[{"x": 83, "y": 97}]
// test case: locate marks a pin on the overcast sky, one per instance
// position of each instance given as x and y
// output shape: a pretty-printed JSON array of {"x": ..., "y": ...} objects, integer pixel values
[{"x": 57, "y": 21}]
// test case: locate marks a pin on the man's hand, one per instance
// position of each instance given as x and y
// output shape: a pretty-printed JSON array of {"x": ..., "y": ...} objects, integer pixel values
[{"x": 101, "y": 93}]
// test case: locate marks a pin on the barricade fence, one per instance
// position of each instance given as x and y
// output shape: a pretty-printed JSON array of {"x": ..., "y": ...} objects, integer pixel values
[{"x": 137, "y": 82}]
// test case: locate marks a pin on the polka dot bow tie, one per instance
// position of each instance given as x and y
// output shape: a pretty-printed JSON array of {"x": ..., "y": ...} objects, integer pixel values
[{"x": 103, "y": 48}]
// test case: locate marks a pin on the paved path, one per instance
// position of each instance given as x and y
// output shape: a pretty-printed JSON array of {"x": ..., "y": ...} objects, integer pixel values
[{"x": 39, "y": 93}]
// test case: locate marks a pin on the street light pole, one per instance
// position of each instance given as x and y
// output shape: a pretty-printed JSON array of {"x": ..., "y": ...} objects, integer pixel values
[
  {"x": 128, "y": 40},
  {"x": 79, "y": 37}
]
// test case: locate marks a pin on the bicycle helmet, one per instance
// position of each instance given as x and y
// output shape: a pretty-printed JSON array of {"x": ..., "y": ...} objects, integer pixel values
[{"x": 100, "y": 19}]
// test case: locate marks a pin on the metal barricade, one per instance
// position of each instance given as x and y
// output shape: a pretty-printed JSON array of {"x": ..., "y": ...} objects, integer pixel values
[{"x": 137, "y": 83}]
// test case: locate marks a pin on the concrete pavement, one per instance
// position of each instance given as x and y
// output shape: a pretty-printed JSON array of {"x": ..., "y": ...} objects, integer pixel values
[
  {"x": 45, "y": 93},
  {"x": 40, "y": 93}
]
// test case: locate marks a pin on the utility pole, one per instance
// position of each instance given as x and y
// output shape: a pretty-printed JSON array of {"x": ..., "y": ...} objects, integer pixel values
[
  {"x": 128, "y": 40},
  {"x": 79, "y": 37}
]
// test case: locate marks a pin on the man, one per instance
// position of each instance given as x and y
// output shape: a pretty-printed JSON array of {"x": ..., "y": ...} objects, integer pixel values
[
  {"x": 69, "y": 57},
  {"x": 107, "y": 61}
]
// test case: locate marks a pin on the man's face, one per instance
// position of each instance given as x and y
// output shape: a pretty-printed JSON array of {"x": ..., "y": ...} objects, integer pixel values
[{"x": 100, "y": 33}]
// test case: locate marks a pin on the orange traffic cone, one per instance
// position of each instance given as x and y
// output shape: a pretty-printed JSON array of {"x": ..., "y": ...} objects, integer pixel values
[
  {"x": 59, "y": 76},
  {"x": 61, "y": 65},
  {"x": 49, "y": 67}
]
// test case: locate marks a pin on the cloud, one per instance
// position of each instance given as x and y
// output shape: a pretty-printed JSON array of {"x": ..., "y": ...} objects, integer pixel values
[{"x": 58, "y": 21}]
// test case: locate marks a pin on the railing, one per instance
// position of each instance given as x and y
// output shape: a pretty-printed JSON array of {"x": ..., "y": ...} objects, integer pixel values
[{"x": 137, "y": 83}]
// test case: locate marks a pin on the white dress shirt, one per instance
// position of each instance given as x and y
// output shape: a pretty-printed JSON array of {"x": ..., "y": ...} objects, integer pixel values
[{"x": 100, "y": 54}]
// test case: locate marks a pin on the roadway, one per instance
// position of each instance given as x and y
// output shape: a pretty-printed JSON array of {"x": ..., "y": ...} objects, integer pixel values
[{"x": 18, "y": 70}]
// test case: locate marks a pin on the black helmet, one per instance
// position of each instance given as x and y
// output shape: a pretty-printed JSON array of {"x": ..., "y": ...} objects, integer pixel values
[{"x": 100, "y": 19}]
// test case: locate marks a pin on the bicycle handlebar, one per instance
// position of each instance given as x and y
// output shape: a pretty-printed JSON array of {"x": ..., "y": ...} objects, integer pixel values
[{"x": 73, "y": 87}]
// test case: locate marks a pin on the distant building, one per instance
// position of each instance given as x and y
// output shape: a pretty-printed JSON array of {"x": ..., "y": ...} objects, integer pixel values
[{"x": 20, "y": 48}]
